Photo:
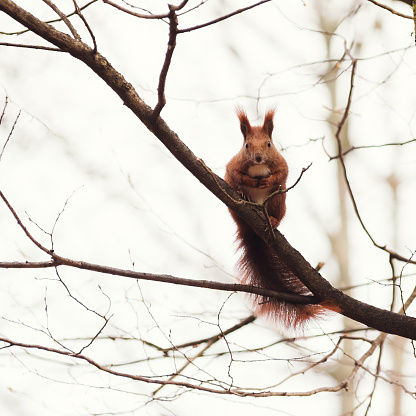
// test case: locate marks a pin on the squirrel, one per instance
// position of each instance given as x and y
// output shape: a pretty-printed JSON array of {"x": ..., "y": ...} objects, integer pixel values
[{"x": 257, "y": 171}]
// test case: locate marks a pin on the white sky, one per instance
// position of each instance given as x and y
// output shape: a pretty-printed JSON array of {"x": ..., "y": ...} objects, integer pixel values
[{"x": 131, "y": 202}]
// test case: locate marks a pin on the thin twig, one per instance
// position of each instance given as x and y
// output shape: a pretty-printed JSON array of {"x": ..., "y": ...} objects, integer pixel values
[
  {"x": 344, "y": 169},
  {"x": 141, "y": 16},
  {"x": 173, "y": 32},
  {"x": 341, "y": 159},
  {"x": 316, "y": 363},
  {"x": 200, "y": 386},
  {"x": 106, "y": 320},
  {"x": 25, "y": 230},
  {"x": 376, "y": 378},
  {"x": 234, "y": 328},
  {"x": 62, "y": 261},
  {"x": 11, "y": 130},
  {"x": 78, "y": 12},
  {"x": 283, "y": 191},
  {"x": 263, "y": 205},
  {"x": 64, "y": 17},
  {"x": 383, "y": 6},
  {"x": 20, "y": 45},
  {"x": 49, "y": 21},
  {"x": 375, "y": 343},
  {"x": 220, "y": 19},
  {"x": 58, "y": 217},
  {"x": 371, "y": 146},
  {"x": 191, "y": 360},
  {"x": 6, "y": 103}
]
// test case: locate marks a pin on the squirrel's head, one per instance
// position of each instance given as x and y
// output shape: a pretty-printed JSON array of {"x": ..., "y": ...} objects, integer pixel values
[{"x": 258, "y": 147}]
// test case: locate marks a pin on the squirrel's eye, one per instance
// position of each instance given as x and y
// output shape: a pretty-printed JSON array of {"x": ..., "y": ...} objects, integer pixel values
[
  {"x": 269, "y": 144},
  {"x": 246, "y": 145}
]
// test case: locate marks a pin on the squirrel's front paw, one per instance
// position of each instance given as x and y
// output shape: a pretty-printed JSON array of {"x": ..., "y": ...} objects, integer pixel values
[
  {"x": 263, "y": 183},
  {"x": 244, "y": 196}
]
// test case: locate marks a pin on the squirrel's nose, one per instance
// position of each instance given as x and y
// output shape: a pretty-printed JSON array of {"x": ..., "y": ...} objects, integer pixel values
[{"x": 259, "y": 158}]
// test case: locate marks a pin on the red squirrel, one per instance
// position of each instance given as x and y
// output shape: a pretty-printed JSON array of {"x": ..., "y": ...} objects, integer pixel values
[{"x": 257, "y": 171}]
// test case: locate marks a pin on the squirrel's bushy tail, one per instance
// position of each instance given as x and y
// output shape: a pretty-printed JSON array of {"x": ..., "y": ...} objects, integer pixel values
[{"x": 261, "y": 266}]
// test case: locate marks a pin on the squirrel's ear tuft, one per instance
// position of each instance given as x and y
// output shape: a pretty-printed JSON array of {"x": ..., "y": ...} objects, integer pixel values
[
  {"x": 244, "y": 123},
  {"x": 268, "y": 122}
]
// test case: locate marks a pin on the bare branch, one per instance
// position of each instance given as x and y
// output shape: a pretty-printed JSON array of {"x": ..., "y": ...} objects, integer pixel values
[
  {"x": 374, "y": 317},
  {"x": 344, "y": 169},
  {"x": 209, "y": 344},
  {"x": 367, "y": 314},
  {"x": 141, "y": 16},
  {"x": 11, "y": 130},
  {"x": 62, "y": 261},
  {"x": 79, "y": 13},
  {"x": 234, "y": 328},
  {"x": 372, "y": 146},
  {"x": 19, "y": 45},
  {"x": 64, "y": 18},
  {"x": 283, "y": 191},
  {"x": 359, "y": 363},
  {"x": 339, "y": 142},
  {"x": 383, "y": 6},
  {"x": 173, "y": 31},
  {"x": 6, "y": 102},
  {"x": 25, "y": 230},
  {"x": 164, "y": 278},
  {"x": 50, "y": 21},
  {"x": 220, "y": 19},
  {"x": 201, "y": 386}
]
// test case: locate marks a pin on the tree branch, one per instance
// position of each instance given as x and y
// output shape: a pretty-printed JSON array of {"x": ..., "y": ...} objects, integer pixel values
[
  {"x": 340, "y": 156},
  {"x": 369, "y": 315},
  {"x": 64, "y": 19},
  {"x": 173, "y": 31},
  {"x": 84, "y": 20},
  {"x": 164, "y": 278},
  {"x": 140, "y": 15},
  {"x": 220, "y": 19},
  {"x": 19, "y": 45},
  {"x": 383, "y": 6},
  {"x": 201, "y": 386}
]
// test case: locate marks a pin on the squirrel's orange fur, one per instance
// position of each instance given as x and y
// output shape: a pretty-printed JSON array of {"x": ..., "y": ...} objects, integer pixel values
[{"x": 257, "y": 171}]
